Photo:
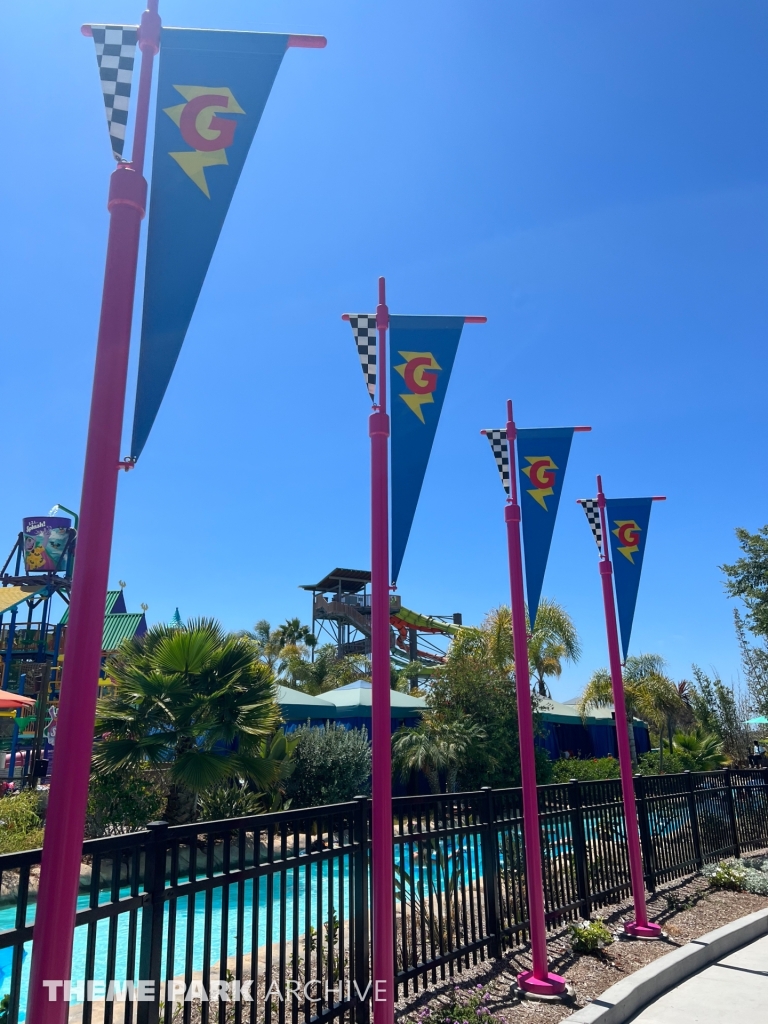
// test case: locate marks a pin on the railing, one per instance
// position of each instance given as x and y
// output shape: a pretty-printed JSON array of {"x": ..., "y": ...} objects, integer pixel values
[{"x": 279, "y": 902}]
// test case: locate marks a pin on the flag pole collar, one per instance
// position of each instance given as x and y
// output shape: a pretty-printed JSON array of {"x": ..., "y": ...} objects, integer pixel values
[{"x": 307, "y": 42}]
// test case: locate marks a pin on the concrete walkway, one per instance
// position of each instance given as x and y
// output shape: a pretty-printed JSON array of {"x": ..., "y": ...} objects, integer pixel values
[{"x": 732, "y": 991}]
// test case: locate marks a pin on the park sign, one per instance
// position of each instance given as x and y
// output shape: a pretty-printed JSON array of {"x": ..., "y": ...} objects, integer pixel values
[{"x": 211, "y": 92}]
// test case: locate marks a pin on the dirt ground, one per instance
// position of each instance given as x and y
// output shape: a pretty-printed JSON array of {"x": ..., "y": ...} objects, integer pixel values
[{"x": 686, "y": 909}]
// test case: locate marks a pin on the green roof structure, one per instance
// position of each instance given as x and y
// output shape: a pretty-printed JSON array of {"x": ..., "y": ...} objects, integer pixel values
[
  {"x": 115, "y": 603},
  {"x": 122, "y": 627},
  {"x": 119, "y": 623}
]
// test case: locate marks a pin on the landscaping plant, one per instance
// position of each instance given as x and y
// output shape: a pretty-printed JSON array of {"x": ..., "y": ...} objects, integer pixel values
[
  {"x": 21, "y": 821},
  {"x": 565, "y": 769},
  {"x": 747, "y": 875},
  {"x": 194, "y": 700},
  {"x": 332, "y": 764},
  {"x": 589, "y": 936},
  {"x": 466, "y": 1006}
]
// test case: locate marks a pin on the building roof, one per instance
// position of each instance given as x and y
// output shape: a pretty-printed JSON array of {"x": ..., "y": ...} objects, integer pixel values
[
  {"x": 354, "y": 701},
  {"x": 297, "y": 706},
  {"x": 568, "y": 714},
  {"x": 348, "y": 581},
  {"x": 115, "y": 603},
  {"x": 121, "y": 627}
]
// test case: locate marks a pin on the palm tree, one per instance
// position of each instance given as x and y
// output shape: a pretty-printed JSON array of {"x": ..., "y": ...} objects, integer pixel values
[
  {"x": 648, "y": 693},
  {"x": 294, "y": 633},
  {"x": 326, "y": 672},
  {"x": 699, "y": 751},
  {"x": 192, "y": 700},
  {"x": 434, "y": 747},
  {"x": 265, "y": 642},
  {"x": 554, "y": 639},
  {"x": 495, "y": 634}
]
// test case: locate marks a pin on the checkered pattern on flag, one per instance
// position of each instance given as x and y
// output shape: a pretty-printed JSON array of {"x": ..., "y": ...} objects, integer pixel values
[
  {"x": 364, "y": 330},
  {"x": 115, "y": 54},
  {"x": 592, "y": 512},
  {"x": 500, "y": 449}
]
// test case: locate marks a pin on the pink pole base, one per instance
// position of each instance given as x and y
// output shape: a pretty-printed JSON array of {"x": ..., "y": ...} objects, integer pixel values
[
  {"x": 552, "y": 985},
  {"x": 642, "y": 931}
]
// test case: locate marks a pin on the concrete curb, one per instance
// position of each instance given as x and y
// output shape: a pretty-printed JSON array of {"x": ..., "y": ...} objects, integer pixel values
[{"x": 623, "y": 1000}]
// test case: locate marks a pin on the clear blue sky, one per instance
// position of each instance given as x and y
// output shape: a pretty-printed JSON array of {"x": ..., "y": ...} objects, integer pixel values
[{"x": 591, "y": 176}]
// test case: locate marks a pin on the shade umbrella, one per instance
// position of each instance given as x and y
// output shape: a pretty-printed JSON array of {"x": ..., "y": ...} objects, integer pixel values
[
  {"x": 759, "y": 720},
  {"x": 14, "y": 701}
]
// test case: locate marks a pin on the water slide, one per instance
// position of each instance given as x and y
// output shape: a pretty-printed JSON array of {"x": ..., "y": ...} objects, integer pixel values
[{"x": 406, "y": 620}]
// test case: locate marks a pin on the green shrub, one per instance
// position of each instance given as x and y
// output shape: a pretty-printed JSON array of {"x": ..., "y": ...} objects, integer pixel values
[
  {"x": 648, "y": 763},
  {"x": 21, "y": 822},
  {"x": 466, "y": 1006},
  {"x": 748, "y": 875},
  {"x": 124, "y": 801},
  {"x": 565, "y": 769},
  {"x": 332, "y": 764},
  {"x": 229, "y": 802},
  {"x": 589, "y": 936}
]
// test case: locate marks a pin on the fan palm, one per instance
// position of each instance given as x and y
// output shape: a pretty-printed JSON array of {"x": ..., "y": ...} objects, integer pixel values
[
  {"x": 699, "y": 751},
  {"x": 191, "y": 699}
]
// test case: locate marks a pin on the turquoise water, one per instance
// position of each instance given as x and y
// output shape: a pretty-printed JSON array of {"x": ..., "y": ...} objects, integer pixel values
[
  {"x": 304, "y": 880},
  {"x": 339, "y": 886}
]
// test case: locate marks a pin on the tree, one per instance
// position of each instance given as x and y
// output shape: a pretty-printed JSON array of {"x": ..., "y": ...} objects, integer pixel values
[
  {"x": 192, "y": 700},
  {"x": 554, "y": 639},
  {"x": 754, "y": 660},
  {"x": 476, "y": 685},
  {"x": 747, "y": 578},
  {"x": 435, "y": 747},
  {"x": 332, "y": 764},
  {"x": 722, "y": 711},
  {"x": 648, "y": 693},
  {"x": 699, "y": 751},
  {"x": 327, "y": 671},
  {"x": 293, "y": 632}
]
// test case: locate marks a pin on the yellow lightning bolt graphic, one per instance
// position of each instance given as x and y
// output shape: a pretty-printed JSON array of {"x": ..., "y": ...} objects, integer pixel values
[
  {"x": 193, "y": 162},
  {"x": 539, "y": 493},
  {"x": 627, "y": 551},
  {"x": 415, "y": 402}
]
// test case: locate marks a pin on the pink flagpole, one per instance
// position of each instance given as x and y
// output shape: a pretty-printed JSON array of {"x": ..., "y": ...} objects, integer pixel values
[
  {"x": 641, "y": 927},
  {"x": 381, "y": 786},
  {"x": 539, "y": 981},
  {"x": 65, "y": 819}
]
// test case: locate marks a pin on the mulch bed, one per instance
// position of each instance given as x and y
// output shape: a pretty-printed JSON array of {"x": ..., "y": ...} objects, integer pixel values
[{"x": 686, "y": 909}]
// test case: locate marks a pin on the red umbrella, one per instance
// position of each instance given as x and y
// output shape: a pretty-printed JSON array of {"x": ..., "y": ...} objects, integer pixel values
[{"x": 11, "y": 701}]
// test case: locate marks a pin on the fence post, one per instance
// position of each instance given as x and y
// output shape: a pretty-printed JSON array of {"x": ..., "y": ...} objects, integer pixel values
[
  {"x": 579, "y": 847},
  {"x": 732, "y": 812},
  {"x": 646, "y": 841},
  {"x": 694, "y": 816},
  {"x": 360, "y": 868},
  {"x": 490, "y": 849},
  {"x": 151, "y": 948}
]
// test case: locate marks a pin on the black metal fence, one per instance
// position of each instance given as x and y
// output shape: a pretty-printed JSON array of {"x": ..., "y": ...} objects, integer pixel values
[{"x": 274, "y": 909}]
